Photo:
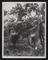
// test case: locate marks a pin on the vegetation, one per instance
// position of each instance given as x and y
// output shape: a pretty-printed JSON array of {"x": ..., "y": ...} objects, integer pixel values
[{"x": 24, "y": 30}]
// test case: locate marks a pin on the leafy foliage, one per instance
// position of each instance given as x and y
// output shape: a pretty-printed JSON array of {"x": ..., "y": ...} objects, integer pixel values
[{"x": 25, "y": 32}]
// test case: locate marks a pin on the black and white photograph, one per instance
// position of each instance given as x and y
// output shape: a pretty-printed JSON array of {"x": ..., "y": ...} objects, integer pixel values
[{"x": 23, "y": 29}]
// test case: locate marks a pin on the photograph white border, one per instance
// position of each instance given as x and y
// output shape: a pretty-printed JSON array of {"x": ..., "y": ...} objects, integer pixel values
[{"x": 3, "y": 35}]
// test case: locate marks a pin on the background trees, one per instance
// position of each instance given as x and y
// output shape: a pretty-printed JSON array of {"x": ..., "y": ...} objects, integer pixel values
[{"x": 27, "y": 22}]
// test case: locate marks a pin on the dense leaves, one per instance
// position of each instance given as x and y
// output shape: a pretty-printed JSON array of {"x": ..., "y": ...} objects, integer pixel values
[{"x": 26, "y": 33}]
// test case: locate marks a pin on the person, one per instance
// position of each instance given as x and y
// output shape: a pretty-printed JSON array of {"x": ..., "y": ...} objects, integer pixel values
[{"x": 14, "y": 37}]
